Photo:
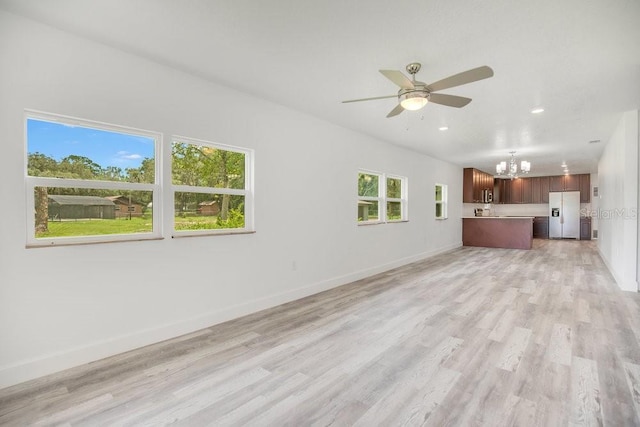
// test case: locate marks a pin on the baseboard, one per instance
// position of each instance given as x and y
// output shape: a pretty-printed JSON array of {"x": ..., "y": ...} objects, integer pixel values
[
  {"x": 619, "y": 281},
  {"x": 56, "y": 362}
]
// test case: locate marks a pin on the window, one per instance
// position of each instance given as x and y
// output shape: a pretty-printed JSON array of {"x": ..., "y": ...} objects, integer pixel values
[
  {"x": 381, "y": 198},
  {"x": 211, "y": 188},
  {"x": 89, "y": 182},
  {"x": 396, "y": 199},
  {"x": 441, "y": 201},
  {"x": 369, "y": 197}
]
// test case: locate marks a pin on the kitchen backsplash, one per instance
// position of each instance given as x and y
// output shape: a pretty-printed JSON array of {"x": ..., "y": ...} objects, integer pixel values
[{"x": 538, "y": 209}]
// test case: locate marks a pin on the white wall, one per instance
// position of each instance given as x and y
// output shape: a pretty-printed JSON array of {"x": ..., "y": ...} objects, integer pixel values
[
  {"x": 62, "y": 306},
  {"x": 618, "y": 202}
]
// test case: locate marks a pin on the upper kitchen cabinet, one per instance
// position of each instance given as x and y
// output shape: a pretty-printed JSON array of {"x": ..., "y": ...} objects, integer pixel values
[
  {"x": 585, "y": 188},
  {"x": 527, "y": 190},
  {"x": 556, "y": 183},
  {"x": 545, "y": 182},
  {"x": 507, "y": 191},
  {"x": 539, "y": 189},
  {"x": 474, "y": 184},
  {"x": 572, "y": 183},
  {"x": 581, "y": 183},
  {"x": 498, "y": 191},
  {"x": 536, "y": 189},
  {"x": 516, "y": 190}
]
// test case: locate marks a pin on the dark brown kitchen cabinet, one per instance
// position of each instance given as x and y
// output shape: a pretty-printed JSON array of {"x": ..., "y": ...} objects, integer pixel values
[
  {"x": 516, "y": 190},
  {"x": 474, "y": 183},
  {"x": 527, "y": 190},
  {"x": 507, "y": 191},
  {"x": 498, "y": 191},
  {"x": 539, "y": 190},
  {"x": 567, "y": 182},
  {"x": 541, "y": 227},
  {"x": 585, "y": 188},
  {"x": 585, "y": 228},
  {"x": 535, "y": 190},
  {"x": 556, "y": 183},
  {"x": 467, "y": 185},
  {"x": 572, "y": 183},
  {"x": 544, "y": 189},
  {"x": 504, "y": 191}
]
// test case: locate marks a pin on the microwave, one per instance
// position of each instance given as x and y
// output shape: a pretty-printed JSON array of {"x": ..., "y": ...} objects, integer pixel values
[{"x": 487, "y": 196}]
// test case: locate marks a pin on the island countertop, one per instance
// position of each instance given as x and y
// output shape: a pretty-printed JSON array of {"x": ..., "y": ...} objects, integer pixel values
[{"x": 509, "y": 232}]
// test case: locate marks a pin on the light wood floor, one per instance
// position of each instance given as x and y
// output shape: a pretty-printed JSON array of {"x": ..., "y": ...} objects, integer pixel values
[{"x": 472, "y": 337}]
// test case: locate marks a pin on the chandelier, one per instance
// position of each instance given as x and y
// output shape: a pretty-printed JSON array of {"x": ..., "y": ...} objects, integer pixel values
[{"x": 512, "y": 170}]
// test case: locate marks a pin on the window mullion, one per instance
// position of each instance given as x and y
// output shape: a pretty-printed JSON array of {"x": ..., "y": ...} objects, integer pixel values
[
  {"x": 94, "y": 184},
  {"x": 209, "y": 190}
]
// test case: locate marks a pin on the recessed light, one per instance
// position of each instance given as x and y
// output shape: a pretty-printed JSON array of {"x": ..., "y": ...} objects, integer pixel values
[
  {"x": 443, "y": 128},
  {"x": 537, "y": 110}
]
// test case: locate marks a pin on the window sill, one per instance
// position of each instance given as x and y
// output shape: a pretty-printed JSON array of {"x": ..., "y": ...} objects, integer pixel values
[
  {"x": 52, "y": 244},
  {"x": 382, "y": 222},
  {"x": 205, "y": 234}
]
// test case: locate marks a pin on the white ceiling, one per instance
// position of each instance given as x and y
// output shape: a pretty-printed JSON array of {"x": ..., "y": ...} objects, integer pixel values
[{"x": 578, "y": 59}]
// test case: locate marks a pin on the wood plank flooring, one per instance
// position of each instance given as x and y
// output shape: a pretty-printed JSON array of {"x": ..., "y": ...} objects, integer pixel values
[{"x": 476, "y": 336}]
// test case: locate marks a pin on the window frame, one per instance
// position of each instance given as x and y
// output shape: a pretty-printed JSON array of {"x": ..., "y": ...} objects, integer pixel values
[
  {"x": 403, "y": 200},
  {"x": 443, "y": 203},
  {"x": 382, "y": 198},
  {"x": 31, "y": 182},
  {"x": 378, "y": 198},
  {"x": 247, "y": 192}
]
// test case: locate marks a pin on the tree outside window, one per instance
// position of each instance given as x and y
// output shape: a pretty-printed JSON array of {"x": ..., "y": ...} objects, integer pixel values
[{"x": 211, "y": 186}]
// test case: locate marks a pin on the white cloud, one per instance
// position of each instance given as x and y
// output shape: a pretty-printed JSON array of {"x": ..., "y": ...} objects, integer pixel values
[{"x": 125, "y": 155}]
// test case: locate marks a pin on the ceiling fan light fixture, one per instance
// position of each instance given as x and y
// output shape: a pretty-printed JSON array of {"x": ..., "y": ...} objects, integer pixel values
[{"x": 413, "y": 101}]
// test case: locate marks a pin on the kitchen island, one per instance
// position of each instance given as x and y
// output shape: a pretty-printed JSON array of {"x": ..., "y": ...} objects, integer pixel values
[{"x": 509, "y": 232}]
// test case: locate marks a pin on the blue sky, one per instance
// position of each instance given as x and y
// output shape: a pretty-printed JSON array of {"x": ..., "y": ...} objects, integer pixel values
[{"x": 106, "y": 148}]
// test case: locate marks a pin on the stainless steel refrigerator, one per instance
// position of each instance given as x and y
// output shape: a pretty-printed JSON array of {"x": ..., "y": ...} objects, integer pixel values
[{"x": 564, "y": 215}]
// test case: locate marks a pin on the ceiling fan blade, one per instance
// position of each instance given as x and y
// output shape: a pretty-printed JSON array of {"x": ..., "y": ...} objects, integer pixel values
[
  {"x": 463, "y": 78},
  {"x": 370, "y": 99},
  {"x": 398, "y": 78},
  {"x": 449, "y": 100},
  {"x": 399, "y": 109}
]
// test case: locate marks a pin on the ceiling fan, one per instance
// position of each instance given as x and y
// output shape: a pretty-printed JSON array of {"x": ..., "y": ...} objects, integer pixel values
[{"x": 413, "y": 94}]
